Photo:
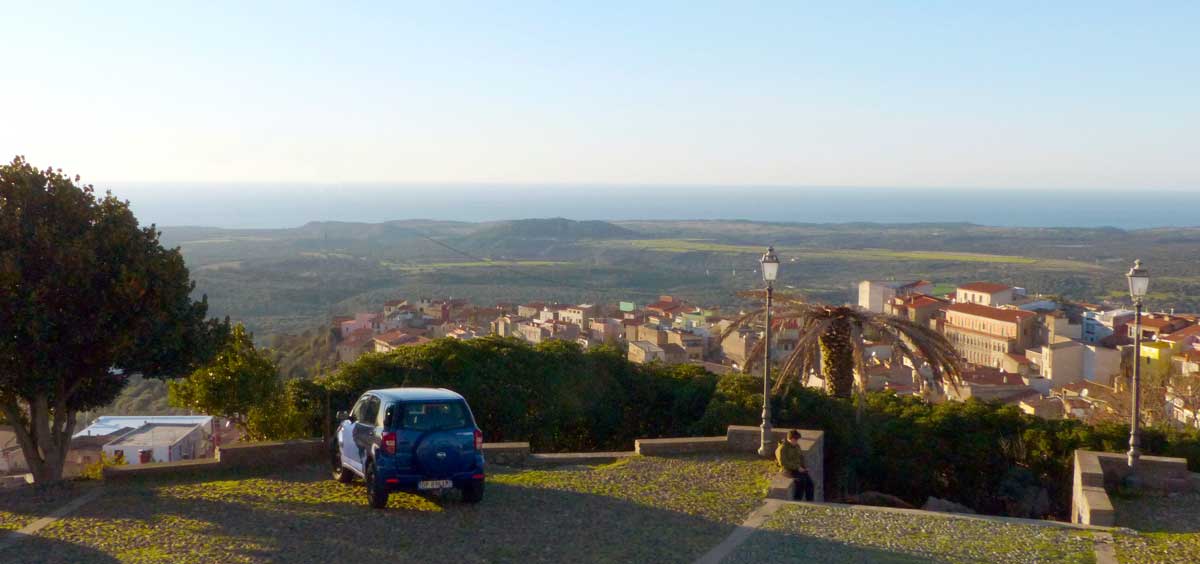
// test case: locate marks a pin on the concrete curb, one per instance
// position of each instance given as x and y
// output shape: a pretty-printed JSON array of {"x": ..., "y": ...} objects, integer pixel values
[
  {"x": 1103, "y": 547},
  {"x": 968, "y": 516},
  {"x": 739, "y": 535}
]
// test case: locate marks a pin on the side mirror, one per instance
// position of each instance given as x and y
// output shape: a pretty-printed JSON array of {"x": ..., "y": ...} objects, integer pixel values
[{"x": 342, "y": 416}]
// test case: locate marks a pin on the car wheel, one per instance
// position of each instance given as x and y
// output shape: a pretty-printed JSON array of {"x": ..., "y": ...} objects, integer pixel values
[
  {"x": 377, "y": 496},
  {"x": 340, "y": 472},
  {"x": 473, "y": 492}
]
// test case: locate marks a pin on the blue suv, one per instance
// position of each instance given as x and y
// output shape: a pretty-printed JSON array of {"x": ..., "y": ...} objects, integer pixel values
[{"x": 412, "y": 439}]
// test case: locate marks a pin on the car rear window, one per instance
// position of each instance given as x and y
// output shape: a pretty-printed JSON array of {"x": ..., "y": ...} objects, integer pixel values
[{"x": 432, "y": 416}]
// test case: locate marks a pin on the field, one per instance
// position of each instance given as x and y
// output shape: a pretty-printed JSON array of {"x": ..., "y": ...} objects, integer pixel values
[
  {"x": 286, "y": 284},
  {"x": 291, "y": 280},
  {"x": 709, "y": 246},
  {"x": 432, "y": 266}
]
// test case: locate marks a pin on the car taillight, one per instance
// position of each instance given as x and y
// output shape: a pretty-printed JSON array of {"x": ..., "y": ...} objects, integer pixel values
[
  {"x": 389, "y": 443},
  {"x": 478, "y": 439}
]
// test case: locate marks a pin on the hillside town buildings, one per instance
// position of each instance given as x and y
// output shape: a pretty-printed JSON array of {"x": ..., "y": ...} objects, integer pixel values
[{"x": 1028, "y": 351}]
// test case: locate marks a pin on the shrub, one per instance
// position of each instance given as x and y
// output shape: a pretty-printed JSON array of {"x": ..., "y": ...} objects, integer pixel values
[{"x": 95, "y": 470}]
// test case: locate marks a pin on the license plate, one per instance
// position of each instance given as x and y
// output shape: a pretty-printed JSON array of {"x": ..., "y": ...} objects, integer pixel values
[{"x": 434, "y": 484}]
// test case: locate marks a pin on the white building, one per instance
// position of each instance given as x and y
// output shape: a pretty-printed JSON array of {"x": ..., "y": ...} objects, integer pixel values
[
  {"x": 162, "y": 442},
  {"x": 984, "y": 293},
  {"x": 872, "y": 294},
  {"x": 166, "y": 437}
]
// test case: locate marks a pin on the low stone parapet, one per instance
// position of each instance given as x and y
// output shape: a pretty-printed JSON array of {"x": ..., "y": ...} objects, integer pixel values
[
  {"x": 505, "y": 454},
  {"x": 1097, "y": 473},
  {"x": 160, "y": 469},
  {"x": 683, "y": 445},
  {"x": 272, "y": 454},
  {"x": 744, "y": 438},
  {"x": 571, "y": 458}
]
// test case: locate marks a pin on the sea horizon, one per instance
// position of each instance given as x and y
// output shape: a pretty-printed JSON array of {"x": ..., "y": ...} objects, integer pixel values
[{"x": 287, "y": 205}]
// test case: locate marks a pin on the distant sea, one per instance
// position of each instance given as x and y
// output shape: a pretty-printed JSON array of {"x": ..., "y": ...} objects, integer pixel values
[{"x": 291, "y": 205}]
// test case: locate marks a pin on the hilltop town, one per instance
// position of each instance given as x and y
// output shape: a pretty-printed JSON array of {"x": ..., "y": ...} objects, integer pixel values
[{"x": 1049, "y": 357}]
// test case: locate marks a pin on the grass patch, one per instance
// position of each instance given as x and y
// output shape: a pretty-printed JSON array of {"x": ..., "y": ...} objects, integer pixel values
[
  {"x": 836, "y": 534},
  {"x": 1169, "y": 528},
  {"x": 22, "y": 506},
  {"x": 635, "y": 510},
  {"x": 434, "y": 266},
  {"x": 709, "y": 246}
]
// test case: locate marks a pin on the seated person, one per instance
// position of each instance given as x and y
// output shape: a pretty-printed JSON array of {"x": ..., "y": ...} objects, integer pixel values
[{"x": 790, "y": 457}]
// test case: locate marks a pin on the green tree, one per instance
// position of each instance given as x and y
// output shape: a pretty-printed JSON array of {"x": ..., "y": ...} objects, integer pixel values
[
  {"x": 239, "y": 381},
  {"x": 87, "y": 297}
]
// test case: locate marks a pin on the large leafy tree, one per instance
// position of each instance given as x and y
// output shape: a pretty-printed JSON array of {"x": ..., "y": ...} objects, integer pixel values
[
  {"x": 239, "y": 380},
  {"x": 87, "y": 297},
  {"x": 831, "y": 340}
]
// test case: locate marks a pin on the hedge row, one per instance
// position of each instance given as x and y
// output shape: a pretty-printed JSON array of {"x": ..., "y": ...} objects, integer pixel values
[{"x": 559, "y": 397}]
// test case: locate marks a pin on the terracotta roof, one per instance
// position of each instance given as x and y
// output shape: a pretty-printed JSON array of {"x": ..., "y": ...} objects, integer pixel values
[
  {"x": 1077, "y": 403},
  {"x": 985, "y": 287},
  {"x": 673, "y": 349},
  {"x": 1020, "y": 358},
  {"x": 1189, "y": 331},
  {"x": 986, "y": 376},
  {"x": 1023, "y": 395},
  {"x": 393, "y": 302},
  {"x": 1161, "y": 321},
  {"x": 399, "y": 337},
  {"x": 1192, "y": 355},
  {"x": 1041, "y": 403},
  {"x": 665, "y": 305},
  {"x": 999, "y": 314},
  {"x": 922, "y": 300}
]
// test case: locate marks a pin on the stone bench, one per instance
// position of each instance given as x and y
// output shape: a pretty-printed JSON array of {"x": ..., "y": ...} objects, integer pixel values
[{"x": 781, "y": 487}]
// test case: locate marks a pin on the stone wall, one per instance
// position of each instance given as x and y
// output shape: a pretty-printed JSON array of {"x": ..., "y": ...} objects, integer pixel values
[
  {"x": 1097, "y": 473},
  {"x": 683, "y": 445},
  {"x": 266, "y": 455},
  {"x": 235, "y": 456},
  {"x": 506, "y": 454},
  {"x": 744, "y": 438},
  {"x": 272, "y": 454}
]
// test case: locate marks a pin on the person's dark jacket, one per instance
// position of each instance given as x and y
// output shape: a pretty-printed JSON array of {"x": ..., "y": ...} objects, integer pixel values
[{"x": 790, "y": 457}]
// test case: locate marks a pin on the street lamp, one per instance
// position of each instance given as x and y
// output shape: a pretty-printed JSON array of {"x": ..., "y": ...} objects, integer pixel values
[
  {"x": 1139, "y": 281},
  {"x": 770, "y": 268}
]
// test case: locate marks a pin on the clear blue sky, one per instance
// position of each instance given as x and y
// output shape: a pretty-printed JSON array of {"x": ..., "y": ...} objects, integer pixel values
[{"x": 957, "y": 94}]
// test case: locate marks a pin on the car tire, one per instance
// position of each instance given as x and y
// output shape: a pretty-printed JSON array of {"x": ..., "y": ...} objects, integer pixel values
[
  {"x": 340, "y": 472},
  {"x": 473, "y": 492},
  {"x": 377, "y": 495}
]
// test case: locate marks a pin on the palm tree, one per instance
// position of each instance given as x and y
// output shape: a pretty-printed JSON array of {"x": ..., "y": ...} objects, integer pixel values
[{"x": 832, "y": 337}]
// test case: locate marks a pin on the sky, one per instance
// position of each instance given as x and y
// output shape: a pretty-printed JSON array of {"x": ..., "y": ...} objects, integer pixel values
[{"x": 1024, "y": 95}]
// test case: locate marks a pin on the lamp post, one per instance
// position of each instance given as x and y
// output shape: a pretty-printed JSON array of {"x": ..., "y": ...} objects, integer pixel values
[
  {"x": 1139, "y": 281},
  {"x": 770, "y": 267}
]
